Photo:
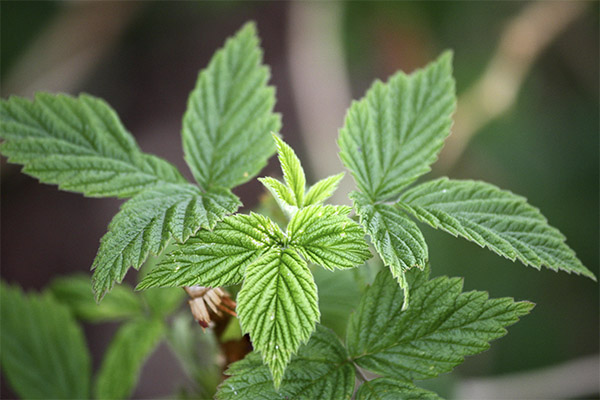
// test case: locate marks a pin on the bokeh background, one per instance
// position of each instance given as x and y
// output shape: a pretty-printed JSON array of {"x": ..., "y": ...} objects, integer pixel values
[{"x": 527, "y": 120}]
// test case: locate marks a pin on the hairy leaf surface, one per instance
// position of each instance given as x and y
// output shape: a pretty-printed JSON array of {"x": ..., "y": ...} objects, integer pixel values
[
  {"x": 219, "y": 257},
  {"x": 278, "y": 307},
  {"x": 227, "y": 125},
  {"x": 441, "y": 326},
  {"x": 126, "y": 354},
  {"x": 398, "y": 240},
  {"x": 320, "y": 370},
  {"x": 325, "y": 235},
  {"x": 395, "y": 132},
  {"x": 322, "y": 190},
  {"x": 493, "y": 218},
  {"x": 44, "y": 355},
  {"x": 147, "y": 221},
  {"x": 293, "y": 173},
  {"x": 79, "y": 144},
  {"x": 392, "y": 389}
]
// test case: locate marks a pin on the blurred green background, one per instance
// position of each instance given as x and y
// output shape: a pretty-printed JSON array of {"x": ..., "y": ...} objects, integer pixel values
[{"x": 143, "y": 58}]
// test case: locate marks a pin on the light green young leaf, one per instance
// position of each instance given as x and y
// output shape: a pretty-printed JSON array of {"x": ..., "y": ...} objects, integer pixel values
[
  {"x": 324, "y": 235},
  {"x": 392, "y": 389},
  {"x": 229, "y": 116},
  {"x": 322, "y": 190},
  {"x": 398, "y": 240},
  {"x": 320, "y": 370},
  {"x": 79, "y": 144},
  {"x": 293, "y": 173},
  {"x": 280, "y": 192},
  {"x": 126, "y": 354},
  {"x": 76, "y": 293},
  {"x": 147, "y": 221},
  {"x": 219, "y": 257},
  {"x": 441, "y": 326},
  {"x": 278, "y": 307},
  {"x": 395, "y": 132},
  {"x": 44, "y": 355},
  {"x": 493, "y": 218}
]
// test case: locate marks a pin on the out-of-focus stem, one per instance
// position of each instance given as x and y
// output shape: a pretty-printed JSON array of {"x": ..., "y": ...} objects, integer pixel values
[
  {"x": 320, "y": 84},
  {"x": 66, "y": 51},
  {"x": 521, "y": 42}
]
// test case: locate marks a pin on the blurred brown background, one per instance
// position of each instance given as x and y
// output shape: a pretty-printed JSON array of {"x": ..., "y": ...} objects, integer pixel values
[{"x": 528, "y": 121}]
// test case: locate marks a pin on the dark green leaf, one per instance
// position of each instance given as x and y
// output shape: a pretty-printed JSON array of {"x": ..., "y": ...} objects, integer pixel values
[
  {"x": 44, "y": 355},
  {"x": 146, "y": 223},
  {"x": 320, "y": 370},
  {"x": 126, "y": 354},
  {"x": 395, "y": 132},
  {"x": 79, "y": 144},
  {"x": 497, "y": 219},
  {"x": 392, "y": 389},
  {"x": 227, "y": 125},
  {"x": 441, "y": 326},
  {"x": 76, "y": 293},
  {"x": 397, "y": 239}
]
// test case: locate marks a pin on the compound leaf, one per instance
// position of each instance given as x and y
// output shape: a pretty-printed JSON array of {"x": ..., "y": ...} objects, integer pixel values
[
  {"x": 229, "y": 116},
  {"x": 278, "y": 307},
  {"x": 324, "y": 235},
  {"x": 392, "y": 389},
  {"x": 218, "y": 257},
  {"x": 126, "y": 354},
  {"x": 79, "y": 144},
  {"x": 493, "y": 218},
  {"x": 398, "y": 240},
  {"x": 147, "y": 221},
  {"x": 76, "y": 293},
  {"x": 441, "y": 326},
  {"x": 44, "y": 355},
  {"x": 322, "y": 190},
  {"x": 320, "y": 370},
  {"x": 395, "y": 132}
]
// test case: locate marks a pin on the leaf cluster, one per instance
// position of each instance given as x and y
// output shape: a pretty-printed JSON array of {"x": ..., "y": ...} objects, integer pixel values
[
  {"x": 44, "y": 354},
  {"x": 278, "y": 302},
  {"x": 442, "y": 326},
  {"x": 388, "y": 141}
]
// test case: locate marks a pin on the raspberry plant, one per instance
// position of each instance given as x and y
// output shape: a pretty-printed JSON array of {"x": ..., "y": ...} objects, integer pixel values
[{"x": 407, "y": 326}]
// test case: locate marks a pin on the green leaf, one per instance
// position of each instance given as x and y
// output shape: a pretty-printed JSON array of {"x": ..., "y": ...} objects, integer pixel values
[
  {"x": 79, "y": 144},
  {"x": 395, "y": 132},
  {"x": 322, "y": 190},
  {"x": 392, "y": 389},
  {"x": 398, "y": 240},
  {"x": 229, "y": 116},
  {"x": 320, "y": 370},
  {"x": 217, "y": 258},
  {"x": 497, "y": 219},
  {"x": 441, "y": 326},
  {"x": 147, "y": 221},
  {"x": 44, "y": 355},
  {"x": 126, "y": 354},
  {"x": 339, "y": 295},
  {"x": 76, "y": 293},
  {"x": 278, "y": 307},
  {"x": 293, "y": 174},
  {"x": 280, "y": 192},
  {"x": 324, "y": 235}
]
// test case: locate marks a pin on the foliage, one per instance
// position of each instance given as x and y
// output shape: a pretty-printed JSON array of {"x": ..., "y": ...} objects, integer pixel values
[{"x": 389, "y": 140}]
